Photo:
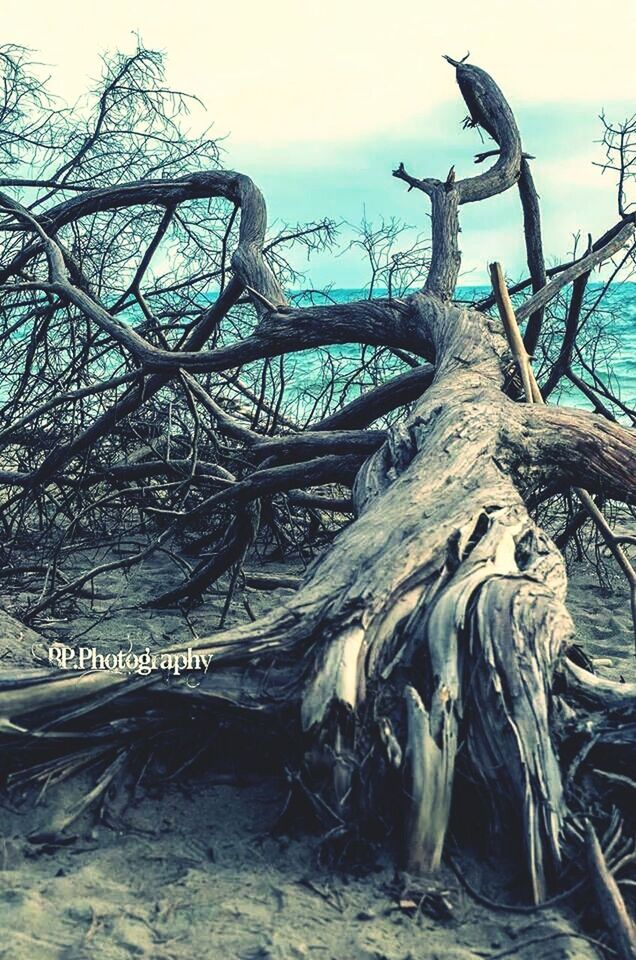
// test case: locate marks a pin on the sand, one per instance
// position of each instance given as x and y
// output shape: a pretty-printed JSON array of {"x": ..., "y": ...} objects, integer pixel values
[{"x": 194, "y": 868}]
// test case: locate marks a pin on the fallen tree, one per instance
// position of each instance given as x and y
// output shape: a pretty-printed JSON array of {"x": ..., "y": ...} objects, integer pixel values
[{"x": 429, "y": 643}]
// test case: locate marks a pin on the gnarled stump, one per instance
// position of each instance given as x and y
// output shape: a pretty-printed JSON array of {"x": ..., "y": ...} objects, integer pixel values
[{"x": 435, "y": 622}]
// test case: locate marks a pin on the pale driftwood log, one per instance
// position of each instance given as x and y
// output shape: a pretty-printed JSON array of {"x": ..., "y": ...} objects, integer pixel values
[
  {"x": 438, "y": 615},
  {"x": 443, "y": 557},
  {"x": 506, "y": 312},
  {"x": 270, "y": 581},
  {"x": 598, "y": 690}
]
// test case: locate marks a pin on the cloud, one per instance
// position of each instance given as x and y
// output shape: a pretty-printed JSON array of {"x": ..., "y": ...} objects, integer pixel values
[
  {"x": 293, "y": 70},
  {"x": 322, "y": 99},
  {"x": 343, "y": 179}
]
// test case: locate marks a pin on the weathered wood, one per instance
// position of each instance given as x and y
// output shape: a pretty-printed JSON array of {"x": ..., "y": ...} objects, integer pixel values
[
  {"x": 507, "y": 315},
  {"x": 598, "y": 690},
  {"x": 612, "y": 906},
  {"x": 437, "y": 619},
  {"x": 270, "y": 581},
  {"x": 429, "y": 771},
  {"x": 534, "y": 395},
  {"x": 534, "y": 248}
]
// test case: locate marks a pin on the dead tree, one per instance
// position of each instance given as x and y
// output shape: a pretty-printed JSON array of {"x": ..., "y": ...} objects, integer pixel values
[{"x": 433, "y": 633}]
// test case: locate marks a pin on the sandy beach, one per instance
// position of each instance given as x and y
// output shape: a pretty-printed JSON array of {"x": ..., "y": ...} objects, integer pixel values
[{"x": 198, "y": 866}]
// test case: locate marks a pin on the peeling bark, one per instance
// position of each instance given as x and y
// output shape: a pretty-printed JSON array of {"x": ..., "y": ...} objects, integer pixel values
[{"x": 436, "y": 622}]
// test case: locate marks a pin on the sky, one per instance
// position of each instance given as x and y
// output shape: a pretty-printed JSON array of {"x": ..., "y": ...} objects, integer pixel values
[{"x": 320, "y": 101}]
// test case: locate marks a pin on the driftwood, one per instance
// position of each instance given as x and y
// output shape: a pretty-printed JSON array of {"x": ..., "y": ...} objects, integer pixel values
[
  {"x": 610, "y": 900},
  {"x": 534, "y": 395},
  {"x": 429, "y": 639}
]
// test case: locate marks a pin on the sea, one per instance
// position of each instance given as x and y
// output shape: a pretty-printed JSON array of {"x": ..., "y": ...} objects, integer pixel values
[{"x": 611, "y": 310}]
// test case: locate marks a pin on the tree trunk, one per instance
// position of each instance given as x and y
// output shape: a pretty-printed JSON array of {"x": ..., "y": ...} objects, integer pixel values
[{"x": 431, "y": 630}]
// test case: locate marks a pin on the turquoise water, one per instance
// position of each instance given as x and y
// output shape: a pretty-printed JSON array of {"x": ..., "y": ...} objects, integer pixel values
[
  {"x": 319, "y": 380},
  {"x": 613, "y": 354}
]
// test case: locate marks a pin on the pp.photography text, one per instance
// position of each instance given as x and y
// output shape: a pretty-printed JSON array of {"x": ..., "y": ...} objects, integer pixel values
[{"x": 128, "y": 661}]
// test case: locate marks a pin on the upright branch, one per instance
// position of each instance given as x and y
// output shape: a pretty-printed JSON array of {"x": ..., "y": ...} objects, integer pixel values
[
  {"x": 489, "y": 110},
  {"x": 534, "y": 251}
]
